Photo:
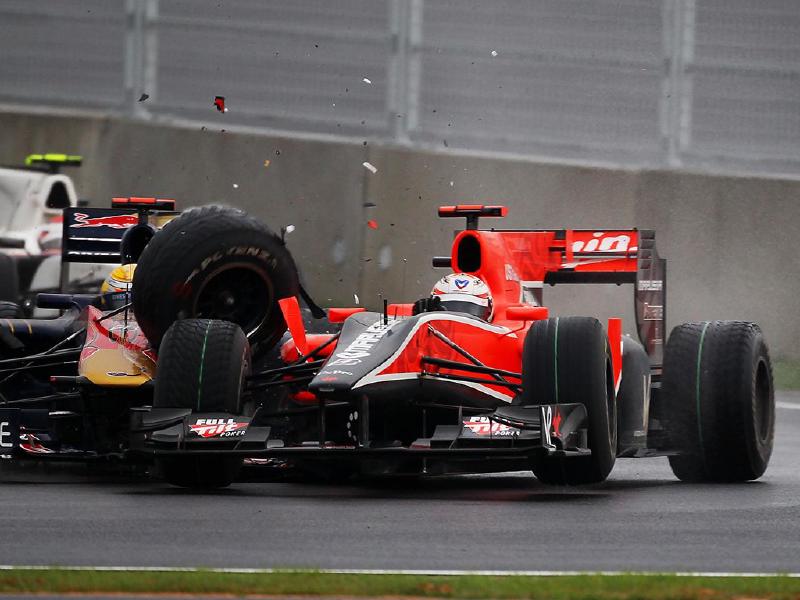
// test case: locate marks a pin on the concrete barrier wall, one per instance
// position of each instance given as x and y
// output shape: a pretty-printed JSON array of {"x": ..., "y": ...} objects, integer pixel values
[
  {"x": 311, "y": 185},
  {"x": 731, "y": 241}
]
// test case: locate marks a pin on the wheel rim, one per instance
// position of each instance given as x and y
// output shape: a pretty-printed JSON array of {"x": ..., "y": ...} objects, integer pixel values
[
  {"x": 239, "y": 293},
  {"x": 762, "y": 413}
]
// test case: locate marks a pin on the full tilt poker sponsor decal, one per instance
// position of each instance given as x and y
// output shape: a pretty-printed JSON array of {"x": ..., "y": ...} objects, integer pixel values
[
  {"x": 208, "y": 428},
  {"x": 484, "y": 426},
  {"x": 361, "y": 347}
]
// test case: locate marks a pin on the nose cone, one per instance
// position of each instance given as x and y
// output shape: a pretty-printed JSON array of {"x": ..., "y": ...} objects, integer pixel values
[{"x": 364, "y": 345}]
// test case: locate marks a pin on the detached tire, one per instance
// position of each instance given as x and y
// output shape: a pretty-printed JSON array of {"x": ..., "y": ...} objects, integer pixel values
[
  {"x": 719, "y": 401},
  {"x": 214, "y": 262},
  {"x": 567, "y": 360},
  {"x": 9, "y": 290},
  {"x": 202, "y": 365}
]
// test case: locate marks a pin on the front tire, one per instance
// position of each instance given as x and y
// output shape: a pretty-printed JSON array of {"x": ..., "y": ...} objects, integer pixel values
[
  {"x": 719, "y": 401},
  {"x": 202, "y": 365},
  {"x": 567, "y": 360}
]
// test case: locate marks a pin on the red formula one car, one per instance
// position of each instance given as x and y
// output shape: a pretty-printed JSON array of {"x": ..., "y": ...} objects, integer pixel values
[{"x": 417, "y": 389}]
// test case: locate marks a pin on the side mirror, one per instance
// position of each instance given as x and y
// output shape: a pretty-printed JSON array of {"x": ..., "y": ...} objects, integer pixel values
[
  {"x": 83, "y": 202},
  {"x": 527, "y": 313}
]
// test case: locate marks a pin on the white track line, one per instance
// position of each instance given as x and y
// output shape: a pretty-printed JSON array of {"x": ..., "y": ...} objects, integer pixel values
[
  {"x": 790, "y": 405},
  {"x": 425, "y": 572}
]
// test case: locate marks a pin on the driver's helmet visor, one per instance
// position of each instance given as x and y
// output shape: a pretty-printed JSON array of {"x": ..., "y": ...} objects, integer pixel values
[
  {"x": 114, "y": 300},
  {"x": 465, "y": 303}
]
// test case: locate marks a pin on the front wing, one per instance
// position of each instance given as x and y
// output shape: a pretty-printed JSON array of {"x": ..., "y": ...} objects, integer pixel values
[{"x": 509, "y": 432}]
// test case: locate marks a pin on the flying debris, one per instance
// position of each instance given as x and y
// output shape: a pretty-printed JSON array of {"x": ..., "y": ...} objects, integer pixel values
[
  {"x": 143, "y": 97},
  {"x": 372, "y": 224},
  {"x": 370, "y": 167},
  {"x": 494, "y": 53},
  {"x": 286, "y": 230},
  {"x": 219, "y": 103},
  {"x": 365, "y": 80}
]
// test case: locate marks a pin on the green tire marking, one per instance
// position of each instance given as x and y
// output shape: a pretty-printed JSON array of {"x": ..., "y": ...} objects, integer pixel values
[
  {"x": 697, "y": 393},
  {"x": 202, "y": 364},
  {"x": 555, "y": 362}
]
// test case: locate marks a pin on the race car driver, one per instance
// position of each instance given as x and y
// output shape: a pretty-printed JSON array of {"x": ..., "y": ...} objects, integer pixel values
[
  {"x": 115, "y": 291},
  {"x": 458, "y": 292}
]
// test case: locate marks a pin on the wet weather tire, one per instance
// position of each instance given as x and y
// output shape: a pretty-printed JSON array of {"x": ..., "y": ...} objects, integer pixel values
[
  {"x": 202, "y": 365},
  {"x": 567, "y": 360},
  {"x": 719, "y": 401},
  {"x": 215, "y": 262},
  {"x": 633, "y": 398}
]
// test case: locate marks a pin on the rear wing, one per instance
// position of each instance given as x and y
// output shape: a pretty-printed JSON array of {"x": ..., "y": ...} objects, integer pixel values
[
  {"x": 94, "y": 235},
  {"x": 52, "y": 162},
  {"x": 516, "y": 264}
]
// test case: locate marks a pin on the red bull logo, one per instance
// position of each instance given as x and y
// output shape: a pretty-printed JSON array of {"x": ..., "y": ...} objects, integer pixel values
[{"x": 113, "y": 221}]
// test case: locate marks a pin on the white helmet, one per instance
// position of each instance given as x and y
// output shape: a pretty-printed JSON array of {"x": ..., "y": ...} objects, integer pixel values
[{"x": 460, "y": 292}]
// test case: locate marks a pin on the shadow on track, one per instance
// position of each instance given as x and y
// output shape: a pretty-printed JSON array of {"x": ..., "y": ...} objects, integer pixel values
[
  {"x": 520, "y": 487},
  {"x": 279, "y": 483}
]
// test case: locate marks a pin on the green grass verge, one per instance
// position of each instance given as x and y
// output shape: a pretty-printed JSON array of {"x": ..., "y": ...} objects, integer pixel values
[
  {"x": 786, "y": 374},
  {"x": 572, "y": 587}
]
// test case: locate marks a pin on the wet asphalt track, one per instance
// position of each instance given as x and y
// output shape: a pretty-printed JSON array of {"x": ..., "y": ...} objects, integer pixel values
[{"x": 640, "y": 519}]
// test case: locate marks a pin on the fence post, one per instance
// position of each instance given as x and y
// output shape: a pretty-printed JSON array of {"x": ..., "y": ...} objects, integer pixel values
[
  {"x": 150, "y": 55},
  {"x": 141, "y": 55},
  {"x": 678, "y": 19},
  {"x": 131, "y": 55},
  {"x": 404, "y": 70},
  {"x": 687, "y": 76}
]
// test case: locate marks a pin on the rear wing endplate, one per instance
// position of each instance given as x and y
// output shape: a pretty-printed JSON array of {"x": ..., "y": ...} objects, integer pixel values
[{"x": 650, "y": 297}]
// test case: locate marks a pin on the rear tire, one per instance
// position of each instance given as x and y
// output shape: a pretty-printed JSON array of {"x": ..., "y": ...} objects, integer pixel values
[
  {"x": 719, "y": 401},
  {"x": 202, "y": 365},
  {"x": 567, "y": 360},
  {"x": 633, "y": 398},
  {"x": 215, "y": 262}
]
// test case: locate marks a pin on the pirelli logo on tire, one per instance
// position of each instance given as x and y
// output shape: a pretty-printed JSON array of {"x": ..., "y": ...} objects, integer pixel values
[{"x": 254, "y": 252}]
